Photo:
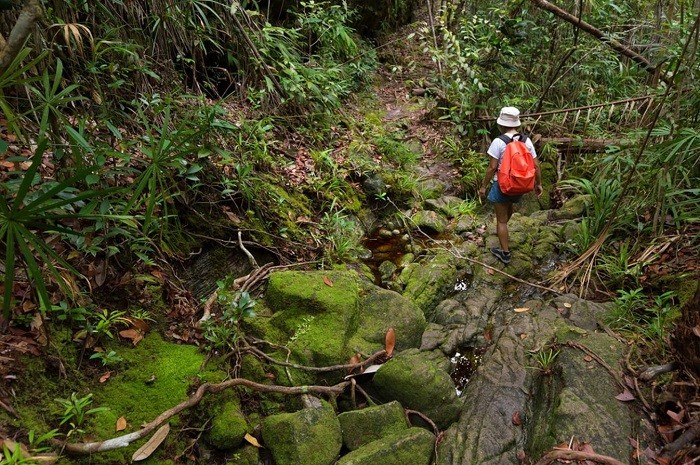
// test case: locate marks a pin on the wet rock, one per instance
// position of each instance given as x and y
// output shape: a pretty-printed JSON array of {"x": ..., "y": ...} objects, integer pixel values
[
  {"x": 310, "y": 436},
  {"x": 420, "y": 382},
  {"x": 429, "y": 222},
  {"x": 413, "y": 446},
  {"x": 374, "y": 186},
  {"x": 429, "y": 280},
  {"x": 360, "y": 427}
]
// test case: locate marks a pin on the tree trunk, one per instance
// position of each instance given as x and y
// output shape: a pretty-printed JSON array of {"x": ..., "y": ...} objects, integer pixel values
[
  {"x": 614, "y": 44},
  {"x": 686, "y": 338},
  {"x": 24, "y": 26}
]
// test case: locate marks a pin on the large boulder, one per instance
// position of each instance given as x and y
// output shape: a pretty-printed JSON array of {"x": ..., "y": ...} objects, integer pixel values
[
  {"x": 520, "y": 401},
  {"x": 420, "y": 381},
  {"x": 328, "y": 316},
  {"x": 413, "y": 446},
  {"x": 310, "y": 436}
]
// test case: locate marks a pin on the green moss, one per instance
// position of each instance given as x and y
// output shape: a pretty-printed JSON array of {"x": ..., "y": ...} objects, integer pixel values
[
  {"x": 228, "y": 426},
  {"x": 158, "y": 376}
]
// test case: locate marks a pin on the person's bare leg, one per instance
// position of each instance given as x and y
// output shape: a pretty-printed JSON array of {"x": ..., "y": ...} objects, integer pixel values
[{"x": 503, "y": 214}]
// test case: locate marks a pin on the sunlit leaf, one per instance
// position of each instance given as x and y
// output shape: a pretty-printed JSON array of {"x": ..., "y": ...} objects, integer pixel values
[
  {"x": 390, "y": 341},
  {"x": 251, "y": 440},
  {"x": 121, "y": 424},
  {"x": 625, "y": 396},
  {"x": 327, "y": 281}
]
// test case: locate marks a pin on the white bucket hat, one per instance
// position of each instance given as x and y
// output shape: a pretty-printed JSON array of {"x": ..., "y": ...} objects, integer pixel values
[{"x": 509, "y": 117}]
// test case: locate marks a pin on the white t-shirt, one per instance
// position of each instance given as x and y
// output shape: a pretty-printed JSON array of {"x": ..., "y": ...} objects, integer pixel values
[{"x": 498, "y": 147}]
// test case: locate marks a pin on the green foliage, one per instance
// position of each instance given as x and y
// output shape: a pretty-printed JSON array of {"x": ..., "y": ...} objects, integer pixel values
[
  {"x": 544, "y": 359},
  {"x": 648, "y": 319},
  {"x": 76, "y": 409},
  {"x": 107, "y": 358},
  {"x": 33, "y": 209},
  {"x": 223, "y": 331},
  {"x": 341, "y": 235}
]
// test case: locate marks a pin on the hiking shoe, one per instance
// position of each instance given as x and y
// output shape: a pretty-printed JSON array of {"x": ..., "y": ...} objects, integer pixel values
[{"x": 501, "y": 255}]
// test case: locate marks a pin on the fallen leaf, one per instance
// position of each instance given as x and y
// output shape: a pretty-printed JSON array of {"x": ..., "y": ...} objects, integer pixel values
[
  {"x": 587, "y": 358},
  {"x": 121, "y": 424},
  {"x": 152, "y": 444},
  {"x": 523, "y": 337},
  {"x": 515, "y": 418},
  {"x": 677, "y": 417},
  {"x": 105, "y": 376},
  {"x": 327, "y": 281},
  {"x": 354, "y": 360},
  {"x": 251, "y": 440},
  {"x": 134, "y": 334},
  {"x": 567, "y": 305},
  {"x": 390, "y": 341},
  {"x": 696, "y": 330},
  {"x": 489, "y": 271},
  {"x": 521, "y": 309},
  {"x": 625, "y": 396}
]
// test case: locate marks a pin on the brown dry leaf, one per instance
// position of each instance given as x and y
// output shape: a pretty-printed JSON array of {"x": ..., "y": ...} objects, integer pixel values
[
  {"x": 587, "y": 358},
  {"x": 390, "y": 341},
  {"x": 625, "y": 396},
  {"x": 134, "y": 334},
  {"x": 696, "y": 330},
  {"x": 515, "y": 418},
  {"x": 152, "y": 444},
  {"x": 354, "y": 360},
  {"x": 676, "y": 417},
  {"x": 47, "y": 458},
  {"x": 490, "y": 271},
  {"x": 140, "y": 324},
  {"x": 121, "y": 424},
  {"x": 523, "y": 337},
  {"x": 251, "y": 440},
  {"x": 105, "y": 376},
  {"x": 521, "y": 309},
  {"x": 327, "y": 281}
]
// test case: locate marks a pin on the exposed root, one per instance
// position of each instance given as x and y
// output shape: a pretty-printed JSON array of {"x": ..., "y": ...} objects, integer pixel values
[{"x": 124, "y": 440}]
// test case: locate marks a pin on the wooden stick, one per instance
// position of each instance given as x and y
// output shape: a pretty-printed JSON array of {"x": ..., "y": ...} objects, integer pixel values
[{"x": 567, "y": 454}]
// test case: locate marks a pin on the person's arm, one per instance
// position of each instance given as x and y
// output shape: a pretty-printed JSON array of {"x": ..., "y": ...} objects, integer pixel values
[{"x": 490, "y": 171}]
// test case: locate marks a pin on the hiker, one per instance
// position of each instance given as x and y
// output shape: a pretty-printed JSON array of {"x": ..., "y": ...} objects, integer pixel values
[{"x": 508, "y": 122}]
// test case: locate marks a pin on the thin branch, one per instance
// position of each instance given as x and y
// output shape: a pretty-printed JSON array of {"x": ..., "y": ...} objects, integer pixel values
[
  {"x": 567, "y": 454},
  {"x": 600, "y": 35}
]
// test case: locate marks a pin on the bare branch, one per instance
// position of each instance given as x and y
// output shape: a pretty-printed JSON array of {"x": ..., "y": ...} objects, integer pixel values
[
  {"x": 24, "y": 26},
  {"x": 597, "y": 33}
]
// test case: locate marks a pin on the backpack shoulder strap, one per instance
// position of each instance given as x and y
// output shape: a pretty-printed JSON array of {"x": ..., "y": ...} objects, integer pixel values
[
  {"x": 521, "y": 137},
  {"x": 507, "y": 140}
]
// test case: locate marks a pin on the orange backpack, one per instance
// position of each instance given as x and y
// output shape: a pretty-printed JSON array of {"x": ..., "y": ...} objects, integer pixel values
[{"x": 516, "y": 175}]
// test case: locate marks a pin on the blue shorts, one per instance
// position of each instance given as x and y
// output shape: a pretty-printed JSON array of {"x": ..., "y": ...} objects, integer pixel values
[{"x": 496, "y": 196}]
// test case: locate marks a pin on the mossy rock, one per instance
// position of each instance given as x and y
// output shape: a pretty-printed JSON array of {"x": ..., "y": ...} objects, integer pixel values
[
  {"x": 328, "y": 316},
  {"x": 428, "y": 281},
  {"x": 228, "y": 426},
  {"x": 381, "y": 309},
  {"x": 575, "y": 207},
  {"x": 363, "y": 426},
  {"x": 310, "y": 436},
  {"x": 413, "y": 446},
  {"x": 415, "y": 380},
  {"x": 429, "y": 221}
]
